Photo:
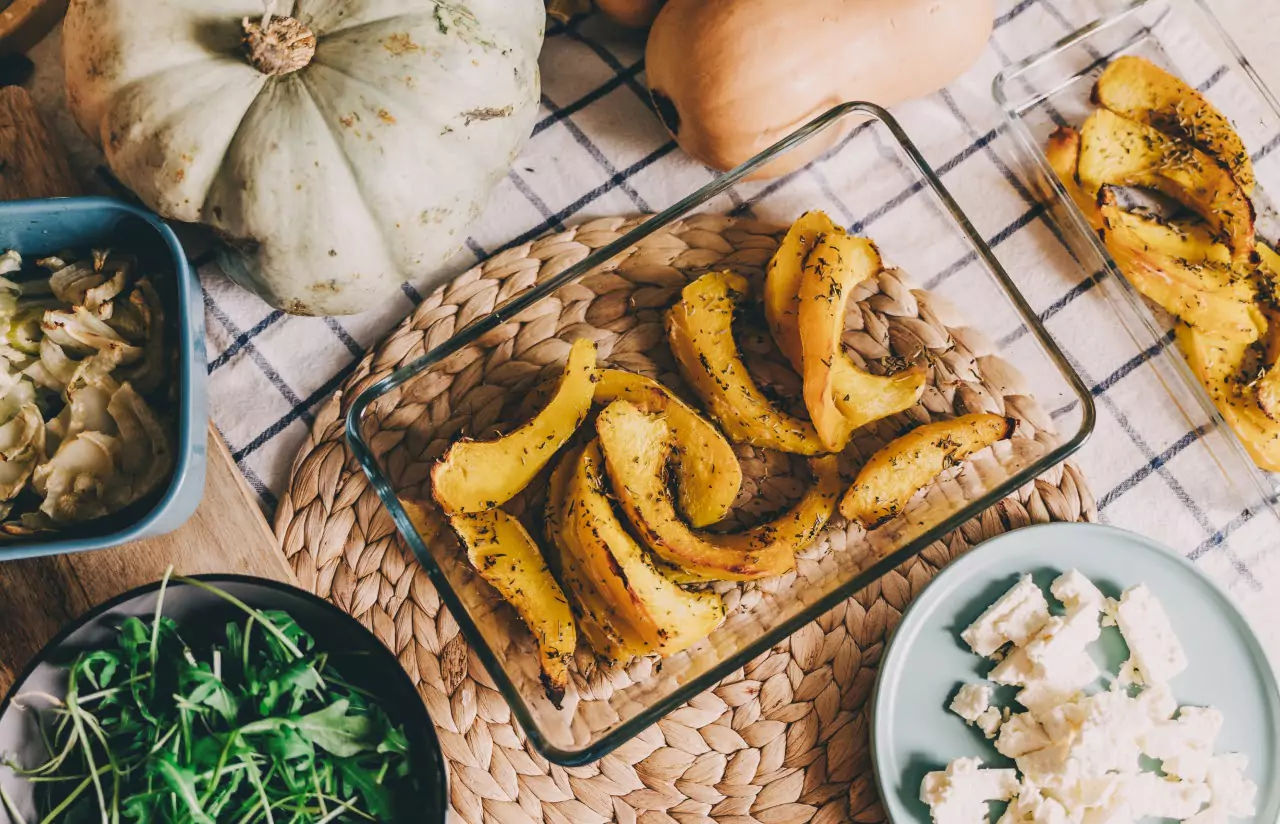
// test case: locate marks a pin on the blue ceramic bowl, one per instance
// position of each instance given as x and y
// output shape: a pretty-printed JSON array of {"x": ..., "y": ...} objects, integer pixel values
[{"x": 41, "y": 227}]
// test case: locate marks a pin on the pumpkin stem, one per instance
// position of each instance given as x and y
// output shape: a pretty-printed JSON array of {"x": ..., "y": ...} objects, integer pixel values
[{"x": 278, "y": 45}]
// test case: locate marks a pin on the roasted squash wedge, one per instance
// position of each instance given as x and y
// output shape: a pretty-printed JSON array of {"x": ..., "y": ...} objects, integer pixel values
[
  {"x": 1267, "y": 385},
  {"x": 668, "y": 618},
  {"x": 506, "y": 556},
  {"x": 709, "y": 476},
  {"x": 700, "y": 331},
  {"x": 1217, "y": 362},
  {"x": 906, "y": 465},
  {"x": 860, "y": 396},
  {"x": 1171, "y": 269},
  {"x": 837, "y": 264},
  {"x": 782, "y": 281},
  {"x": 1063, "y": 153},
  {"x": 475, "y": 476},
  {"x": 1186, "y": 248},
  {"x": 636, "y": 449},
  {"x": 1117, "y": 151},
  {"x": 1140, "y": 90},
  {"x": 599, "y": 624}
]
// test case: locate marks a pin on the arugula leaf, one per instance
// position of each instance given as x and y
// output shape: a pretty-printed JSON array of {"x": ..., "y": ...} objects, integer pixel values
[{"x": 341, "y": 734}]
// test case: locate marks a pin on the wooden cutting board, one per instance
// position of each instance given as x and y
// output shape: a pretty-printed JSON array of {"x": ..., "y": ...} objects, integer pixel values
[{"x": 228, "y": 532}]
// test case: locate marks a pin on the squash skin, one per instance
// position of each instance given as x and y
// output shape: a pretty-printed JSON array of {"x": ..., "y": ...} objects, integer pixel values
[
  {"x": 636, "y": 447},
  {"x": 634, "y": 14},
  {"x": 475, "y": 476},
  {"x": 732, "y": 77},
  {"x": 884, "y": 484},
  {"x": 292, "y": 172}
]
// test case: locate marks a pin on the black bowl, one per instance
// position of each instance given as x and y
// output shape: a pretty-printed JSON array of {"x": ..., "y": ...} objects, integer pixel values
[{"x": 354, "y": 652}]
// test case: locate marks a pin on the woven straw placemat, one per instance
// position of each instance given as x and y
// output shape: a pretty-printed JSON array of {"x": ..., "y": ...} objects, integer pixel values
[{"x": 781, "y": 741}]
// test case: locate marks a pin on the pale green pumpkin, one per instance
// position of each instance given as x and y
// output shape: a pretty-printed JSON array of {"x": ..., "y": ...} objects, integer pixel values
[{"x": 339, "y": 150}]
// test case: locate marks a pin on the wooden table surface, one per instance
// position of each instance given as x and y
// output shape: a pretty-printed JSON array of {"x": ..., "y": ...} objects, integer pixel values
[{"x": 227, "y": 533}]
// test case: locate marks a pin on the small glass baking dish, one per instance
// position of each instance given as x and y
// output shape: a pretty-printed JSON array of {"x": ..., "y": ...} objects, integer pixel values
[
  {"x": 872, "y": 179},
  {"x": 1053, "y": 88}
]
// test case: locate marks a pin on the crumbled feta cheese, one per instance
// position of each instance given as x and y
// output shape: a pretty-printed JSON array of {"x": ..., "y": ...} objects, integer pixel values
[
  {"x": 1096, "y": 734},
  {"x": 989, "y": 722},
  {"x": 1077, "y": 593},
  {"x": 1078, "y": 754},
  {"x": 1016, "y": 617},
  {"x": 1020, "y": 735},
  {"x": 959, "y": 795},
  {"x": 1029, "y": 806},
  {"x": 1230, "y": 793},
  {"x": 1158, "y": 702},
  {"x": 1148, "y": 794},
  {"x": 1145, "y": 625},
  {"x": 1184, "y": 746},
  {"x": 971, "y": 701}
]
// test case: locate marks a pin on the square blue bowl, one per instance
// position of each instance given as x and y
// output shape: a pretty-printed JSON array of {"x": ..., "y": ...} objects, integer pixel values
[{"x": 36, "y": 228}]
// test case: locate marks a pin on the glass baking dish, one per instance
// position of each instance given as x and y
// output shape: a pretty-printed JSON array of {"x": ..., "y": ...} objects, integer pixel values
[
  {"x": 1052, "y": 89},
  {"x": 870, "y": 178}
]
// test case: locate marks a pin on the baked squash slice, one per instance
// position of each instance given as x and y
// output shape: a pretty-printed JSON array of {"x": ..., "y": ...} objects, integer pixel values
[
  {"x": 637, "y": 447},
  {"x": 1140, "y": 90},
  {"x": 607, "y": 635},
  {"x": 506, "y": 556},
  {"x": 1218, "y": 363},
  {"x": 708, "y": 474},
  {"x": 669, "y": 619},
  {"x": 1063, "y": 153},
  {"x": 475, "y": 476},
  {"x": 1121, "y": 152},
  {"x": 700, "y": 331},
  {"x": 906, "y": 465},
  {"x": 859, "y": 396},
  {"x": 1174, "y": 269},
  {"x": 837, "y": 264}
]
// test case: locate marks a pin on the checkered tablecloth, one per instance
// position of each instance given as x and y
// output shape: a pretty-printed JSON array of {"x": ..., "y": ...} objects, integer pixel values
[{"x": 597, "y": 149}]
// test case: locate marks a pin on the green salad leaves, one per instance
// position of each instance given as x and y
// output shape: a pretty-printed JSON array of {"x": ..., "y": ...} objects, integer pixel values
[{"x": 253, "y": 725}]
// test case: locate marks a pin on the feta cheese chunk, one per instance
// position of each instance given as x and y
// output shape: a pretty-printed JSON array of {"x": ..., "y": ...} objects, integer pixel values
[
  {"x": 989, "y": 722},
  {"x": 1077, "y": 593},
  {"x": 1148, "y": 794},
  {"x": 1230, "y": 793},
  {"x": 1016, "y": 617},
  {"x": 971, "y": 701},
  {"x": 1093, "y": 735},
  {"x": 1029, "y": 806},
  {"x": 1020, "y": 735},
  {"x": 959, "y": 795},
  {"x": 1145, "y": 625},
  {"x": 1184, "y": 746}
]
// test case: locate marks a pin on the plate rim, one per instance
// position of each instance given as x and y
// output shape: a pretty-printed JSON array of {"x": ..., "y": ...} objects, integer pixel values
[{"x": 954, "y": 569}]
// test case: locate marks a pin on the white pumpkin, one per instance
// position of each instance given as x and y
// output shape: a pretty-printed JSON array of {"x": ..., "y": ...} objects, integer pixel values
[{"x": 338, "y": 147}]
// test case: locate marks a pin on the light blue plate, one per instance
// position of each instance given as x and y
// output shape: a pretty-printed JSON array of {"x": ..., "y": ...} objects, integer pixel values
[{"x": 913, "y": 732}]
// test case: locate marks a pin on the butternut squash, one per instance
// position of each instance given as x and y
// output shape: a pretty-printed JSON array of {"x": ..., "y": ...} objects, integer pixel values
[
  {"x": 731, "y": 77},
  {"x": 634, "y": 14}
]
